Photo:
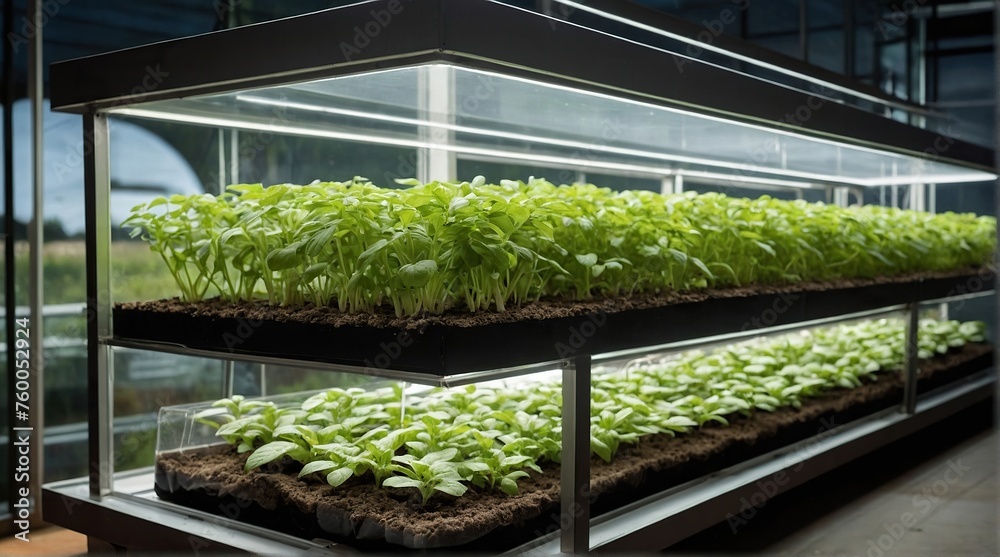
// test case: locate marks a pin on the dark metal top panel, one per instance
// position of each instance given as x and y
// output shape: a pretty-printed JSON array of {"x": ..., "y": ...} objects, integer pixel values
[{"x": 485, "y": 34}]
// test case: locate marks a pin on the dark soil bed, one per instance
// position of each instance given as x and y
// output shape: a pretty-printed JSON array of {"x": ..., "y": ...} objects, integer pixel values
[
  {"x": 544, "y": 309},
  {"x": 365, "y": 517},
  {"x": 544, "y": 331}
]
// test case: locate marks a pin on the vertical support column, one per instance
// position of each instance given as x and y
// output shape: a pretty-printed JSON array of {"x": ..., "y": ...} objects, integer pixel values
[
  {"x": 918, "y": 198},
  {"x": 841, "y": 196},
  {"x": 36, "y": 238},
  {"x": 97, "y": 193},
  {"x": 228, "y": 378},
  {"x": 222, "y": 161},
  {"x": 437, "y": 107},
  {"x": 262, "y": 378},
  {"x": 10, "y": 303},
  {"x": 996, "y": 209},
  {"x": 911, "y": 349},
  {"x": 672, "y": 184},
  {"x": 228, "y": 366},
  {"x": 920, "y": 120},
  {"x": 574, "y": 484},
  {"x": 234, "y": 156}
]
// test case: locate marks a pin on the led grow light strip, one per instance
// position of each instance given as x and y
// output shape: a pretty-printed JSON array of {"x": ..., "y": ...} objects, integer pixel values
[
  {"x": 585, "y": 146},
  {"x": 673, "y": 110},
  {"x": 515, "y": 156},
  {"x": 974, "y": 174},
  {"x": 348, "y": 136},
  {"x": 569, "y": 144}
]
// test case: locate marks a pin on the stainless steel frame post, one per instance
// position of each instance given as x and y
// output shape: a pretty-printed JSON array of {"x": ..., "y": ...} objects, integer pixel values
[
  {"x": 911, "y": 350},
  {"x": 97, "y": 192},
  {"x": 574, "y": 484}
]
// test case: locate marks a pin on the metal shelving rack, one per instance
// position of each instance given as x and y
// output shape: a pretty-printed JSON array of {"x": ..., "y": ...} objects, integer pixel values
[{"x": 118, "y": 510}]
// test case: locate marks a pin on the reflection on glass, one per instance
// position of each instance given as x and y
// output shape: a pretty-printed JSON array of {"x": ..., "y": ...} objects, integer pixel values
[
  {"x": 147, "y": 381},
  {"x": 499, "y": 117}
]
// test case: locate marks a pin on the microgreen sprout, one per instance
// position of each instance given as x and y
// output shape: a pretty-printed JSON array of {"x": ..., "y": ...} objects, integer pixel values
[{"x": 476, "y": 246}]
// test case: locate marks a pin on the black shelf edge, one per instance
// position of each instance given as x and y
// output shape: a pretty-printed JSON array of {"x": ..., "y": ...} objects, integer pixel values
[
  {"x": 335, "y": 42},
  {"x": 445, "y": 350}
]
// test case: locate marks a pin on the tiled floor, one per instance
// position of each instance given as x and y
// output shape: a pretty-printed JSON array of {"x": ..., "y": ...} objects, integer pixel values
[{"x": 934, "y": 494}]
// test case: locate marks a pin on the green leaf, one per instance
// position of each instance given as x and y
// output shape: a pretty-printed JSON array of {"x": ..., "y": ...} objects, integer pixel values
[
  {"x": 402, "y": 481},
  {"x": 316, "y": 466},
  {"x": 515, "y": 460},
  {"x": 314, "y": 246},
  {"x": 417, "y": 275},
  {"x": 474, "y": 466},
  {"x": 269, "y": 453},
  {"x": 766, "y": 247},
  {"x": 339, "y": 476},
  {"x": 440, "y": 456},
  {"x": 509, "y": 486},
  {"x": 587, "y": 260},
  {"x": 600, "y": 448},
  {"x": 284, "y": 258},
  {"x": 452, "y": 488}
]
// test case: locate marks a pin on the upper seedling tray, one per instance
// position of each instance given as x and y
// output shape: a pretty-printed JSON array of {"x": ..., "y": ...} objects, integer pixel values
[{"x": 458, "y": 344}]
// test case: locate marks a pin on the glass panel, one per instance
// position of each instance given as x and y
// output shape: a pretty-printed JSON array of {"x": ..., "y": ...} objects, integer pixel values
[
  {"x": 825, "y": 13},
  {"x": 621, "y": 183},
  {"x": 779, "y": 33},
  {"x": 342, "y": 415},
  {"x": 826, "y": 49},
  {"x": 955, "y": 335},
  {"x": 729, "y": 398},
  {"x": 977, "y": 198},
  {"x": 965, "y": 88},
  {"x": 508, "y": 118},
  {"x": 767, "y": 18},
  {"x": 748, "y": 192},
  {"x": 892, "y": 58},
  {"x": 789, "y": 45},
  {"x": 864, "y": 46},
  {"x": 495, "y": 171},
  {"x": 147, "y": 381}
]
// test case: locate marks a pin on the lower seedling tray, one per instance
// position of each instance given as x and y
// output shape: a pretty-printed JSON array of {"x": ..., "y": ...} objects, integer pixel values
[{"x": 360, "y": 515}]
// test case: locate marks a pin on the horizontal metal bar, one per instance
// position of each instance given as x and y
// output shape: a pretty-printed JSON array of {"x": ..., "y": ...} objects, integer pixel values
[
  {"x": 142, "y": 523},
  {"x": 76, "y": 432},
  {"x": 56, "y": 310},
  {"x": 988, "y": 290},
  {"x": 408, "y": 376}
]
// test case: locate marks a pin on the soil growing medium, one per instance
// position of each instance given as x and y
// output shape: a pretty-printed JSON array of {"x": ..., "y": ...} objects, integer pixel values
[
  {"x": 361, "y": 515},
  {"x": 542, "y": 331},
  {"x": 544, "y": 309}
]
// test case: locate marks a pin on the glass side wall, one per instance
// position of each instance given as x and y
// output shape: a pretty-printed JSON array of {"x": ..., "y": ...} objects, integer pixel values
[
  {"x": 963, "y": 328},
  {"x": 489, "y": 117},
  {"x": 778, "y": 387}
]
